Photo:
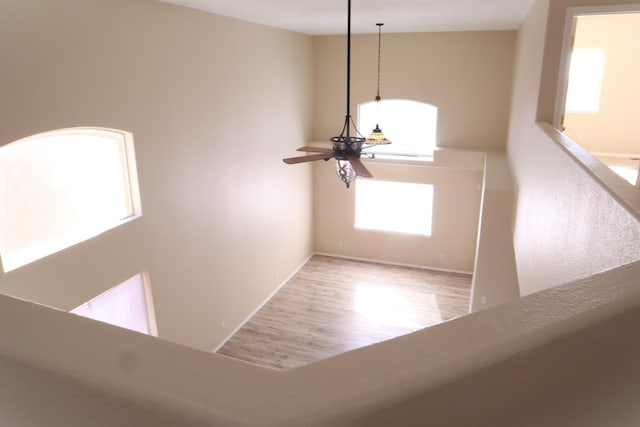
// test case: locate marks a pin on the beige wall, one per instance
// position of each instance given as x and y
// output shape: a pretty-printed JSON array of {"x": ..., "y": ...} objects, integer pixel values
[
  {"x": 467, "y": 75},
  {"x": 535, "y": 356},
  {"x": 531, "y": 361},
  {"x": 495, "y": 279},
  {"x": 213, "y": 104},
  {"x": 567, "y": 226},
  {"x": 614, "y": 128},
  {"x": 40, "y": 398},
  {"x": 456, "y": 204}
]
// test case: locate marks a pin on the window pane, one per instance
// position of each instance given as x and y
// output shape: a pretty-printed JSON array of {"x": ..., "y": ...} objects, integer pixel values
[
  {"x": 410, "y": 126},
  {"x": 586, "y": 73},
  {"x": 394, "y": 206},
  {"x": 61, "y": 188},
  {"x": 124, "y": 305}
]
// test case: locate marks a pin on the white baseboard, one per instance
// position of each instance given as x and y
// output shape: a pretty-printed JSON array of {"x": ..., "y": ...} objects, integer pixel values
[
  {"x": 618, "y": 155},
  {"x": 400, "y": 264},
  {"x": 253, "y": 313}
]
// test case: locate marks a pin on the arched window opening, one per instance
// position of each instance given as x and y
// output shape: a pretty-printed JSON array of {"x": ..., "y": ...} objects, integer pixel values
[
  {"x": 410, "y": 125},
  {"x": 63, "y": 187}
]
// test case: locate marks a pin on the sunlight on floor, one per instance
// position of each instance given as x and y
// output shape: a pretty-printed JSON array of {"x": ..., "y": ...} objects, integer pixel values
[
  {"x": 392, "y": 307},
  {"x": 626, "y": 167},
  {"x": 334, "y": 305},
  {"x": 631, "y": 175}
]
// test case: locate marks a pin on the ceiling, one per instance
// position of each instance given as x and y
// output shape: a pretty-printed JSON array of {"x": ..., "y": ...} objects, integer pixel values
[{"x": 321, "y": 17}]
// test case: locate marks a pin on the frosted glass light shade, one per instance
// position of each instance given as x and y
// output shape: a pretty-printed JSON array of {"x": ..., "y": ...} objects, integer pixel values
[{"x": 345, "y": 172}]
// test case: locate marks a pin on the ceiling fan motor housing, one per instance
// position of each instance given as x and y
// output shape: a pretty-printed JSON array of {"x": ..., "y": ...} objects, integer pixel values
[{"x": 344, "y": 146}]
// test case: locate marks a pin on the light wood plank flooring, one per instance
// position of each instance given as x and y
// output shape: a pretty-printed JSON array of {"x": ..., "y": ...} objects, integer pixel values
[{"x": 333, "y": 305}]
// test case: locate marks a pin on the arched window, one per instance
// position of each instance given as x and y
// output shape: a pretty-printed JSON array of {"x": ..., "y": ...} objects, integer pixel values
[
  {"x": 410, "y": 125},
  {"x": 63, "y": 187}
]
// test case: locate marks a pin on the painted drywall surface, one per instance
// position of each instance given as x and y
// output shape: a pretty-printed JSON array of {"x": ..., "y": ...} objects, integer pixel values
[
  {"x": 472, "y": 113},
  {"x": 456, "y": 205},
  {"x": 213, "y": 104},
  {"x": 34, "y": 397},
  {"x": 587, "y": 379},
  {"x": 530, "y": 52},
  {"x": 467, "y": 75},
  {"x": 495, "y": 278},
  {"x": 352, "y": 384},
  {"x": 614, "y": 128},
  {"x": 118, "y": 361},
  {"x": 567, "y": 226},
  {"x": 520, "y": 351}
]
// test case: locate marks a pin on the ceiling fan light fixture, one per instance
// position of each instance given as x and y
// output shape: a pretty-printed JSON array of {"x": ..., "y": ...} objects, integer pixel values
[
  {"x": 345, "y": 172},
  {"x": 347, "y": 144},
  {"x": 347, "y": 147}
]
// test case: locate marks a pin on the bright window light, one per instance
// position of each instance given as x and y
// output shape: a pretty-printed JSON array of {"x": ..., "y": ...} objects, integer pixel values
[
  {"x": 127, "y": 305},
  {"x": 394, "y": 206},
  {"x": 60, "y": 188},
  {"x": 586, "y": 73},
  {"x": 410, "y": 126}
]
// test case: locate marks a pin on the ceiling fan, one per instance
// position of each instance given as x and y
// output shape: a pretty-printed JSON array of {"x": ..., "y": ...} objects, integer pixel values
[
  {"x": 347, "y": 149},
  {"x": 343, "y": 152}
]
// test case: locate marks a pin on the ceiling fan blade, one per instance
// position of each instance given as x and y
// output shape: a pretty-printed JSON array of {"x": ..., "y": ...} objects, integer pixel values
[
  {"x": 315, "y": 150},
  {"x": 309, "y": 158},
  {"x": 359, "y": 167}
]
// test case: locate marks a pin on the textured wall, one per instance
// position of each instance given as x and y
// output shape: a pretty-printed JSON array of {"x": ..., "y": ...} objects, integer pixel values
[{"x": 567, "y": 225}]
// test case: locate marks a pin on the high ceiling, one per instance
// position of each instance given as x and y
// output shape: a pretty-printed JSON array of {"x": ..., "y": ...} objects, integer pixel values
[{"x": 319, "y": 17}]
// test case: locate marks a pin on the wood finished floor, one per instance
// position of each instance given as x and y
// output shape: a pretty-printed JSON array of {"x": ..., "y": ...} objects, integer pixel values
[{"x": 333, "y": 305}]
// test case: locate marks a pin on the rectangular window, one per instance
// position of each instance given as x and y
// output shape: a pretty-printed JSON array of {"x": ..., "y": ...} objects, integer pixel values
[
  {"x": 586, "y": 73},
  {"x": 394, "y": 206}
]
